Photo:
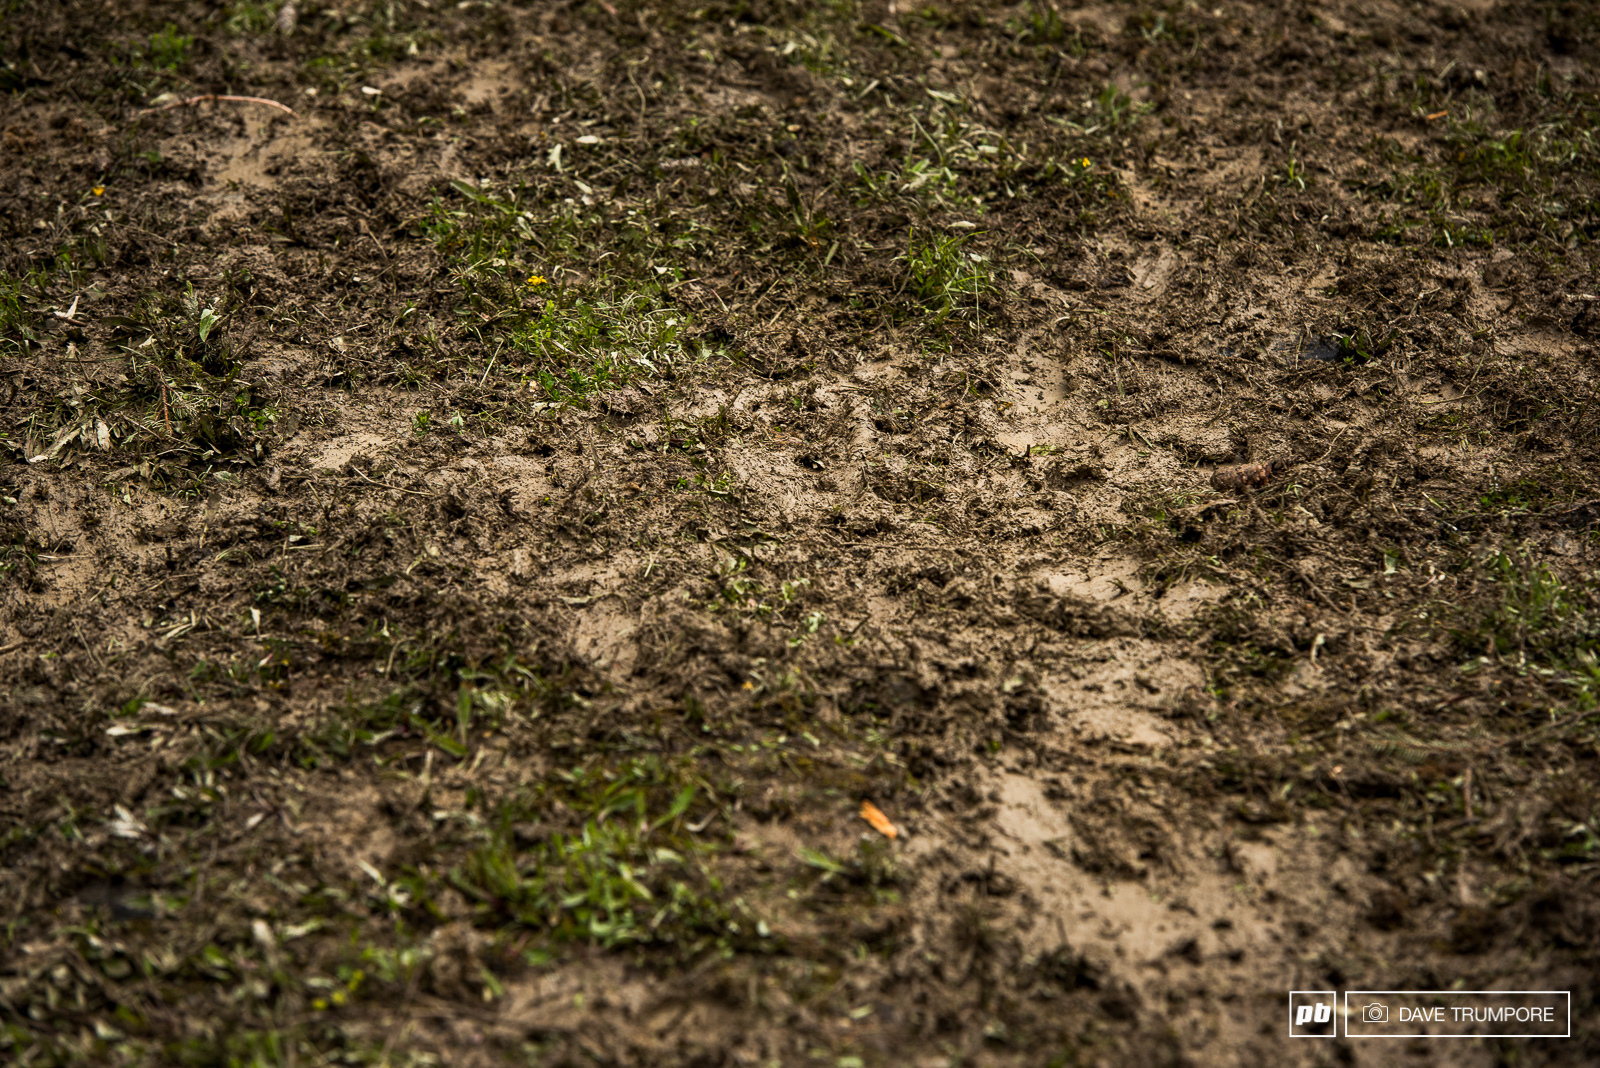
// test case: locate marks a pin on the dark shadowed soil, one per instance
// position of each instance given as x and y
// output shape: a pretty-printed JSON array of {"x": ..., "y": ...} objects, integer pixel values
[{"x": 472, "y": 542}]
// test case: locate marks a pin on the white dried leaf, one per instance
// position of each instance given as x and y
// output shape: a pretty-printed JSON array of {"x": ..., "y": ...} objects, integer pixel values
[{"x": 125, "y": 825}]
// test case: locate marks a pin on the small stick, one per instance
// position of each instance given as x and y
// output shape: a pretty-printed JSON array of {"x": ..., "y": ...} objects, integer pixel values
[
  {"x": 385, "y": 485},
  {"x": 86, "y": 647},
  {"x": 166, "y": 415},
  {"x": 188, "y": 101}
]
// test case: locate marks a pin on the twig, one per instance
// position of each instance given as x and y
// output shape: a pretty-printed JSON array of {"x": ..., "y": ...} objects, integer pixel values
[
  {"x": 102, "y": 359},
  {"x": 385, "y": 485},
  {"x": 1331, "y": 444},
  {"x": 405, "y": 1003},
  {"x": 395, "y": 648},
  {"x": 188, "y": 101},
  {"x": 1134, "y": 433},
  {"x": 86, "y": 648},
  {"x": 1564, "y": 721},
  {"x": 166, "y": 415}
]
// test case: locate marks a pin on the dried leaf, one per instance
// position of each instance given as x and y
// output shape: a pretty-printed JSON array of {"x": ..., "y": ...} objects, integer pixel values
[{"x": 874, "y": 815}]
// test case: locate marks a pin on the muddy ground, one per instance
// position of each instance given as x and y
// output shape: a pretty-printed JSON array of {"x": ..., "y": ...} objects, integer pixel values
[{"x": 472, "y": 544}]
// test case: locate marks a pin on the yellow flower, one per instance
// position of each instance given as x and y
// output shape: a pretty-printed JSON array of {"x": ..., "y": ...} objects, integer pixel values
[
  {"x": 99, "y": 190},
  {"x": 338, "y": 997},
  {"x": 321, "y": 1004},
  {"x": 538, "y": 280}
]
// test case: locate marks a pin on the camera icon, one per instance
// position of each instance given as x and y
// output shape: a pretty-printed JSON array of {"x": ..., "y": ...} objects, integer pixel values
[{"x": 1375, "y": 1012}]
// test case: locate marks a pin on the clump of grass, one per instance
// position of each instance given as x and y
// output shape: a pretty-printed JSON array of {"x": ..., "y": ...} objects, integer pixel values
[
  {"x": 28, "y": 276},
  {"x": 1359, "y": 344},
  {"x": 447, "y": 705},
  {"x": 1041, "y": 24},
  {"x": 572, "y": 339},
  {"x": 16, "y": 318},
  {"x": 955, "y": 163},
  {"x": 1540, "y": 622},
  {"x": 576, "y": 345},
  {"x": 488, "y": 233},
  {"x": 168, "y": 49},
  {"x": 1113, "y": 110},
  {"x": 633, "y": 873},
  {"x": 250, "y": 17},
  {"x": 1489, "y": 185},
  {"x": 180, "y": 394},
  {"x": 945, "y": 277},
  {"x": 1538, "y": 615},
  {"x": 495, "y": 236},
  {"x": 919, "y": 179},
  {"x": 347, "y": 46}
]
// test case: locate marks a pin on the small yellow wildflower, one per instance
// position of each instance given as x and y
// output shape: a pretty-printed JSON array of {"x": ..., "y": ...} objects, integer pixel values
[
  {"x": 339, "y": 997},
  {"x": 99, "y": 190},
  {"x": 321, "y": 1004},
  {"x": 538, "y": 280}
]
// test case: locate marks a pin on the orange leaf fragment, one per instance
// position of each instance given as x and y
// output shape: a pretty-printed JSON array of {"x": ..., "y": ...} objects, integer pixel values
[
  {"x": 874, "y": 815},
  {"x": 1437, "y": 115}
]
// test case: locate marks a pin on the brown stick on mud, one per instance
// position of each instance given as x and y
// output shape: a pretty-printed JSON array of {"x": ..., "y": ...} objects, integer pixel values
[
  {"x": 188, "y": 101},
  {"x": 1247, "y": 476}
]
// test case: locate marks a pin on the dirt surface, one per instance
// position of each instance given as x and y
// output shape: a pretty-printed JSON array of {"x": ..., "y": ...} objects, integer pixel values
[{"x": 473, "y": 543}]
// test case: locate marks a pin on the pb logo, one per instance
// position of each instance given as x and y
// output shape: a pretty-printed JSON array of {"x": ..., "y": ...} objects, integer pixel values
[
  {"x": 1311, "y": 1014},
  {"x": 1319, "y": 1013}
]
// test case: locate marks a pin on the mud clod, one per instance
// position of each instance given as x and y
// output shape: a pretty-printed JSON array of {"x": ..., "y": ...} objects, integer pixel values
[{"x": 1242, "y": 477}]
